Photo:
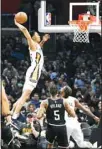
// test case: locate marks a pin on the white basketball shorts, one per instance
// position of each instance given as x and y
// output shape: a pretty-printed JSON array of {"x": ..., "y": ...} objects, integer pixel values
[
  {"x": 30, "y": 84},
  {"x": 74, "y": 130}
]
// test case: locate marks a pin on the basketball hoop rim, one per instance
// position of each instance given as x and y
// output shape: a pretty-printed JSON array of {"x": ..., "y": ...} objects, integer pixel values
[
  {"x": 78, "y": 21},
  {"x": 82, "y": 24}
]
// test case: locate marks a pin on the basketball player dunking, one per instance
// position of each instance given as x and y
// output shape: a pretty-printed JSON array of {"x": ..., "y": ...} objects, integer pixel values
[
  {"x": 34, "y": 71},
  {"x": 54, "y": 108},
  {"x": 73, "y": 126}
]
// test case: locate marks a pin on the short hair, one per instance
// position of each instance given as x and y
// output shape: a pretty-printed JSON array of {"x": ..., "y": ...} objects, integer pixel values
[
  {"x": 53, "y": 89},
  {"x": 31, "y": 104},
  {"x": 30, "y": 115},
  {"x": 67, "y": 91}
]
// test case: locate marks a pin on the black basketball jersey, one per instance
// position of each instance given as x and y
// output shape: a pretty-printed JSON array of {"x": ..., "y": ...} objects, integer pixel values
[{"x": 55, "y": 112}]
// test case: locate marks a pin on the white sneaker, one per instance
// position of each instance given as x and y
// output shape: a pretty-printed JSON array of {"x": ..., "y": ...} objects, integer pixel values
[
  {"x": 88, "y": 144},
  {"x": 71, "y": 144}
]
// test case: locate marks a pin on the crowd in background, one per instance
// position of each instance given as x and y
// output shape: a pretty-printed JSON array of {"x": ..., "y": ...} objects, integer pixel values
[{"x": 76, "y": 65}]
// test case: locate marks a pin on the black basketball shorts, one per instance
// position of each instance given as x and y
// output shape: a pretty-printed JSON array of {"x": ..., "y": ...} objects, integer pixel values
[{"x": 58, "y": 132}]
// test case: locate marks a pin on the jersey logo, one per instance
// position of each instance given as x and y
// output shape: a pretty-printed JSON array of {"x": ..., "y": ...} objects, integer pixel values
[{"x": 35, "y": 73}]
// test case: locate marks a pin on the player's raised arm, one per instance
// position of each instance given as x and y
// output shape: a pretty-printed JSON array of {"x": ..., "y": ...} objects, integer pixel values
[
  {"x": 42, "y": 109},
  {"x": 86, "y": 111},
  {"x": 45, "y": 38},
  {"x": 31, "y": 43},
  {"x": 69, "y": 110}
]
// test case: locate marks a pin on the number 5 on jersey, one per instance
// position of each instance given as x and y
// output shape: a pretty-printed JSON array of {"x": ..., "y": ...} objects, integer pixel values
[
  {"x": 56, "y": 115},
  {"x": 35, "y": 73}
]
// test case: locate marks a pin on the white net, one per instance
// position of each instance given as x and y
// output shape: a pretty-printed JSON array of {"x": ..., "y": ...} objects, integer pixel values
[{"x": 79, "y": 35}]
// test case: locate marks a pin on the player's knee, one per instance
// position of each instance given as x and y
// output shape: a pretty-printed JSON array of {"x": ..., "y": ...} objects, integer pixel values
[
  {"x": 24, "y": 98},
  {"x": 27, "y": 96},
  {"x": 28, "y": 93}
]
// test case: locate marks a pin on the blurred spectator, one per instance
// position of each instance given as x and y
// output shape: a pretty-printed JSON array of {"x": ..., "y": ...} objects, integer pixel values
[
  {"x": 22, "y": 115},
  {"x": 43, "y": 96},
  {"x": 30, "y": 130},
  {"x": 79, "y": 60},
  {"x": 79, "y": 95},
  {"x": 31, "y": 108},
  {"x": 47, "y": 86},
  {"x": 60, "y": 83},
  {"x": 10, "y": 68},
  {"x": 35, "y": 100},
  {"x": 82, "y": 117},
  {"x": 7, "y": 50},
  {"x": 78, "y": 65},
  {"x": 95, "y": 83},
  {"x": 99, "y": 108},
  {"x": 5, "y": 63},
  {"x": 53, "y": 75},
  {"x": 79, "y": 81}
]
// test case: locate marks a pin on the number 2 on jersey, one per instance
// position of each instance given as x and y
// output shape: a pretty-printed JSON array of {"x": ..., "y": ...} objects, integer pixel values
[
  {"x": 56, "y": 115},
  {"x": 35, "y": 73}
]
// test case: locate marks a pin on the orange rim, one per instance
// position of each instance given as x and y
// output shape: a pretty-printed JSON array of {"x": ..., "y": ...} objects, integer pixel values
[{"x": 83, "y": 25}]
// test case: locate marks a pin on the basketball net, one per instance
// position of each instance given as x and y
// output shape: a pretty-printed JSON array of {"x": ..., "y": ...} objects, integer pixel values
[{"x": 81, "y": 30}]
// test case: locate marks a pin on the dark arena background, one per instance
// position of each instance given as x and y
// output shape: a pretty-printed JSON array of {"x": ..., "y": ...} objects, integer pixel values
[{"x": 78, "y": 65}]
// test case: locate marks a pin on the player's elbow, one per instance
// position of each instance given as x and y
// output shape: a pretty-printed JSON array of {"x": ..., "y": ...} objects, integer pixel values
[
  {"x": 39, "y": 115},
  {"x": 72, "y": 114}
]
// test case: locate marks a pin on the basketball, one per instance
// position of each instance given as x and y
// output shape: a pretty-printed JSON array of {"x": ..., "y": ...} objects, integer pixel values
[{"x": 21, "y": 17}]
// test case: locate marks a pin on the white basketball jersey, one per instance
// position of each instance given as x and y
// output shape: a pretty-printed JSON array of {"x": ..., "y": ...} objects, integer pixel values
[
  {"x": 37, "y": 61},
  {"x": 71, "y": 102}
]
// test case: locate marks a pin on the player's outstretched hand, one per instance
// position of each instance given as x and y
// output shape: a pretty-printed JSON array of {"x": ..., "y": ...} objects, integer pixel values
[
  {"x": 46, "y": 37},
  {"x": 21, "y": 27},
  {"x": 15, "y": 21},
  {"x": 96, "y": 119}
]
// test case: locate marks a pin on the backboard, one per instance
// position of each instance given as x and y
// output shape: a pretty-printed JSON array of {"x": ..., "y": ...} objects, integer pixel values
[
  {"x": 42, "y": 27},
  {"x": 96, "y": 6}
]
